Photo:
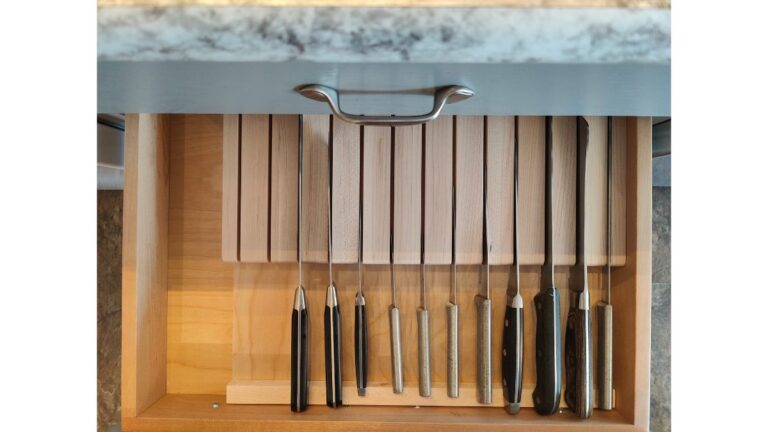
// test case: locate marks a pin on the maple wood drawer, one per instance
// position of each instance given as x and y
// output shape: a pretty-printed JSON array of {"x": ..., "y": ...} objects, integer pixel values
[{"x": 208, "y": 274}]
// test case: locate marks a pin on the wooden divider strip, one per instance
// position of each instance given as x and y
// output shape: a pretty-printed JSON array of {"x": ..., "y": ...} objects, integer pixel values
[
  {"x": 619, "y": 192},
  {"x": 407, "y": 226},
  {"x": 230, "y": 186},
  {"x": 531, "y": 135},
  {"x": 438, "y": 177},
  {"x": 145, "y": 254},
  {"x": 564, "y": 189},
  {"x": 376, "y": 193},
  {"x": 254, "y": 188},
  {"x": 500, "y": 137},
  {"x": 346, "y": 191},
  {"x": 283, "y": 229},
  {"x": 597, "y": 189},
  {"x": 469, "y": 136},
  {"x": 315, "y": 130}
]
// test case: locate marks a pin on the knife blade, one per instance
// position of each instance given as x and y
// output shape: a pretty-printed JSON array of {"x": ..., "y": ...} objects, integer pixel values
[{"x": 332, "y": 315}]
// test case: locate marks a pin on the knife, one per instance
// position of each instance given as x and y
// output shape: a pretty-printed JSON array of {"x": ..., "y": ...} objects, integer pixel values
[
  {"x": 332, "y": 316},
  {"x": 299, "y": 318},
  {"x": 361, "y": 322},
  {"x": 604, "y": 309},
  {"x": 546, "y": 394},
  {"x": 512, "y": 339},
  {"x": 578, "y": 338},
  {"x": 451, "y": 308},
  {"x": 483, "y": 305},
  {"x": 396, "y": 349},
  {"x": 422, "y": 314}
]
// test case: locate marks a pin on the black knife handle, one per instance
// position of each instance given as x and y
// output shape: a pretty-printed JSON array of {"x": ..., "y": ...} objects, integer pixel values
[
  {"x": 578, "y": 361},
  {"x": 512, "y": 358},
  {"x": 549, "y": 360},
  {"x": 332, "y": 319},
  {"x": 361, "y": 349},
  {"x": 299, "y": 360}
]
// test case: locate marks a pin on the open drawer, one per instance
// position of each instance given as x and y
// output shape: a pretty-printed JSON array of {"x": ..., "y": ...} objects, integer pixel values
[{"x": 208, "y": 272}]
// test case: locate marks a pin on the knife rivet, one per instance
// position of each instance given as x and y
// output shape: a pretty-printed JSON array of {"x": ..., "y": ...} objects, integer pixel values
[{"x": 215, "y": 405}]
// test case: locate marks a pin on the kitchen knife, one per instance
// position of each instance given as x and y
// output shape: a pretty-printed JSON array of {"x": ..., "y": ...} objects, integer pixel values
[
  {"x": 604, "y": 309},
  {"x": 299, "y": 317},
  {"x": 396, "y": 348},
  {"x": 483, "y": 306},
  {"x": 546, "y": 394},
  {"x": 332, "y": 316},
  {"x": 451, "y": 308},
  {"x": 361, "y": 322},
  {"x": 578, "y": 338},
  {"x": 512, "y": 339}
]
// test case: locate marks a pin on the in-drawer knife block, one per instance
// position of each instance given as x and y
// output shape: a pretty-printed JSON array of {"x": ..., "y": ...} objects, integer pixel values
[{"x": 210, "y": 226}]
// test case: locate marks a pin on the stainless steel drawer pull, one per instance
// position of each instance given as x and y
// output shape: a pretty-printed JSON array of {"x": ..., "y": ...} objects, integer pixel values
[{"x": 443, "y": 95}]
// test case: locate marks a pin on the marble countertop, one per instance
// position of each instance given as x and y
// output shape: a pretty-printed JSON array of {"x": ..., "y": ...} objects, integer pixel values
[{"x": 384, "y": 35}]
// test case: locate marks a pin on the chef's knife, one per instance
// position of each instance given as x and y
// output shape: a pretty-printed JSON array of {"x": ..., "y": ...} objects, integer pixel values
[
  {"x": 578, "y": 338},
  {"x": 546, "y": 394}
]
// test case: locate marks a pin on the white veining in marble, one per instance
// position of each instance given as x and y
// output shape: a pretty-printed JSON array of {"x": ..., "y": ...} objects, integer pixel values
[{"x": 418, "y": 35}]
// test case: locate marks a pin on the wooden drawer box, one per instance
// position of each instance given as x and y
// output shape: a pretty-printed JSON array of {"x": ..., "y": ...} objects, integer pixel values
[{"x": 204, "y": 339}]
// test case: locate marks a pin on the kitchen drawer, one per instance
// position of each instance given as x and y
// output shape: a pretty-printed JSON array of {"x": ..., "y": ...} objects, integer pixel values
[{"x": 209, "y": 273}]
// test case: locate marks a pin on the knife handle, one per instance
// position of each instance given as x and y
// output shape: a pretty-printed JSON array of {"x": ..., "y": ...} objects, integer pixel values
[
  {"x": 299, "y": 360},
  {"x": 396, "y": 349},
  {"x": 361, "y": 349},
  {"x": 512, "y": 358},
  {"x": 484, "y": 343},
  {"x": 332, "y": 319},
  {"x": 604, "y": 356},
  {"x": 452, "y": 311},
  {"x": 425, "y": 375},
  {"x": 549, "y": 381},
  {"x": 578, "y": 360}
]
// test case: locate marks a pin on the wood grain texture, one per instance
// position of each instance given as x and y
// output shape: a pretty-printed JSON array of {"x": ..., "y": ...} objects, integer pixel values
[
  {"x": 230, "y": 225},
  {"x": 631, "y": 290},
  {"x": 531, "y": 135},
  {"x": 619, "y": 192},
  {"x": 377, "y": 157},
  {"x": 314, "y": 228},
  {"x": 145, "y": 250},
  {"x": 501, "y": 193},
  {"x": 346, "y": 191},
  {"x": 407, "y": 225},
  {"x": 284, "y": 206},
  {"x": 564, "y": 153},
  {"x": 194, "y": 412},
  {"x": 469, "y": 133},
  {"x": 254, "y": 187},
  {"x": 397, "y": 3},
  {"x": 202, "y": 345},
  {"x": 199, "y": 283},
  {"x": 438, "y": 179},
  {"x": 597, "y": 190}
]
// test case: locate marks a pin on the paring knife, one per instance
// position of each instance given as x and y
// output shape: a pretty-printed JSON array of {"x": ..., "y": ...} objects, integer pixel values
[
  {"x": 512, "y": 341},
  {"x": 578, "y": 338},
  {"x": 299, "y": 317},
  {"x": 396, "y": 350},
  {"x": 422, "y": 314},
  {"x": 604, "y": 309},
  {"x": 483, "y": 306},
  {"x": 546, "y": 394},
  {"x": 361, "y": 322},
  {"x": 332, "y": 316},
  {"x": 451, "y": 308}
]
